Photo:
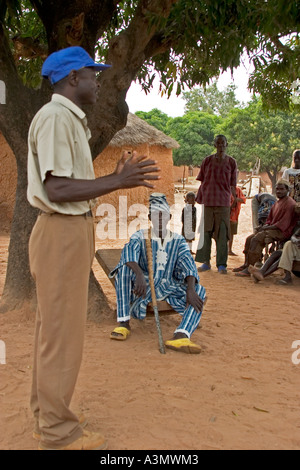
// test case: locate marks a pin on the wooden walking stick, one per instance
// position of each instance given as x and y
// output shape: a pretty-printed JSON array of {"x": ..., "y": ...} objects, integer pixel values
[{"x": 153, "y": 295}]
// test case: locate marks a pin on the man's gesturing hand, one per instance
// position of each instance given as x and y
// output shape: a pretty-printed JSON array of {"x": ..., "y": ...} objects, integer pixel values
[{"x": 136, "y": 171}]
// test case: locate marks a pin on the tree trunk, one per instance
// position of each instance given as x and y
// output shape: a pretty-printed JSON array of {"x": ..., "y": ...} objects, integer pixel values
[
  {"x": 19, "y": 285},
  {"x": 273, "y": 178},
  {"x": 127, "y": 53}
]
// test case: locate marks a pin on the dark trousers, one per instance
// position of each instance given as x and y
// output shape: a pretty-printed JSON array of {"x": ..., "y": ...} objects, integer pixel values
[{"x": 217, "y": 226}]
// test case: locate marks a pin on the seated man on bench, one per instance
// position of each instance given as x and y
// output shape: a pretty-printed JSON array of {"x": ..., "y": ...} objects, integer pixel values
[{"x": 175, "y": 278}]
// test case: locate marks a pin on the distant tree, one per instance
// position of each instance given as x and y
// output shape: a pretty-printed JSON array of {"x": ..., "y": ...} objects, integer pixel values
[
  {"x": 255, "y": 134},
  {"x": 155, "y": 118},
  {"x": 195, "y": 133},
  {"x": 212, "y": 100}
]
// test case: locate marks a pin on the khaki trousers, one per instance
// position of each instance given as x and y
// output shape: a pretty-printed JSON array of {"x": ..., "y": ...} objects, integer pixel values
[
  {"x": 61, "y": 251},
  {"x": 290, "y": 254}
]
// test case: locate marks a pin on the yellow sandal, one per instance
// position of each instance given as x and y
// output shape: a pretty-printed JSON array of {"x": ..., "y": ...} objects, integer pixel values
[
  {"x": 184, "y": 345},
  {"x": 121, "y": 333}
]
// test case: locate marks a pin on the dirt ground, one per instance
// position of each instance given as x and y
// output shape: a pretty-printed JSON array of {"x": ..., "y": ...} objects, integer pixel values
[{"x": 241, "y": 392}]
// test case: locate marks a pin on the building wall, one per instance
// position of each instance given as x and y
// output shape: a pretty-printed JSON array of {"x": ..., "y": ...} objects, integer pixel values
[{"x": 107, "y": 161}]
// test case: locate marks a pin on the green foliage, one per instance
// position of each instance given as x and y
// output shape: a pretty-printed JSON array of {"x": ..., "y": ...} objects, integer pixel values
[
  {"x": 10, "y": 10},
  {"x": 195, "y": 42},
  {"x": 23, "y": 25},
  {"x": 195, "y": 132},
  {"x": 277, "y": 66},
  {"x": 254, "y": 134},
  {"x": 155, "y": 118},
  {"x": 211, "y": 100}
]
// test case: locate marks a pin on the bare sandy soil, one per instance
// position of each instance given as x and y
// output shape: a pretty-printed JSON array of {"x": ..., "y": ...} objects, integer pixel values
[{"x": 241, "y": 392}]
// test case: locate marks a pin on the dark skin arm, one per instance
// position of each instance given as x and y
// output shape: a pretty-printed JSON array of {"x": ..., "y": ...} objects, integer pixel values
[
  {"x": 130, "y": 173},
  {"x": 140, "y": 287},
  {"x": 192, "y": 298},
  {"x": 268, "y": 227}
]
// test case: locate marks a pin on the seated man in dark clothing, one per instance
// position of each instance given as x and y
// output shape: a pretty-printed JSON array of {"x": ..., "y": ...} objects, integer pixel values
[{"x": 279, "y": 227}]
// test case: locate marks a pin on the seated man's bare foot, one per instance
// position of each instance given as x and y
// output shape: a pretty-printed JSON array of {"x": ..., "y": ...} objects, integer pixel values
[{"x": 258, "y": 276}]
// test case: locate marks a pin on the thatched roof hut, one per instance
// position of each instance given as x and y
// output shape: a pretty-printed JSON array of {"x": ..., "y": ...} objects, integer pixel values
[
  {"x": 138, "y": 132},
  {"x": 139, "y": 136}
]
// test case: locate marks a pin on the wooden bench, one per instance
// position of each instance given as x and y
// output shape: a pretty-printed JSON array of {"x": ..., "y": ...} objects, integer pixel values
[{"x": 108, "y": 260}]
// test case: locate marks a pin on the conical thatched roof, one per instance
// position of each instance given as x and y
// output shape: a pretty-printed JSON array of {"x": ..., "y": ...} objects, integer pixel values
[{"x": 138, "y": 132}]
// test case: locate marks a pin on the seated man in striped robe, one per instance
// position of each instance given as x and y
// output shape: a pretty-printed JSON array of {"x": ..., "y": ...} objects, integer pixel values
[{"x": 175, "y": 278}]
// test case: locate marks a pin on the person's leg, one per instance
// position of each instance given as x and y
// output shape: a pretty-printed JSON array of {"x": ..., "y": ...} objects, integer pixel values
[
  {"x": 203, "y": 255},
  {"x": 290, "y": 254},
  {"x": 61, "y": 254},
  {"x": 190, "y": 320},
  {"x": 233, "y": 231},
  {"x": 270, "y": 266},
  {"x": 222, "y": 246},
  {"x": 254, "y": 207},
  {"x": 257, "y": 244},
  {"x": 124, "y": 284},
  {"x": 246, "y": 251},
  {"x": 243, "y": 270},
  {"x": 34, "y": 401},
  {"x": 230, "y": 243}
]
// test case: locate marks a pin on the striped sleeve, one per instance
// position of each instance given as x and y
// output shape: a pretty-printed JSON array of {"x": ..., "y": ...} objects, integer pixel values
[
  {"x": 130, "y": 253},
  {"x": 185, "y": 265}
]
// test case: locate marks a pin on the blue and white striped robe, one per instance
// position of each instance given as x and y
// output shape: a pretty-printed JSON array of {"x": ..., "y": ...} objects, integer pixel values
[{"x": 169, "y": 279}]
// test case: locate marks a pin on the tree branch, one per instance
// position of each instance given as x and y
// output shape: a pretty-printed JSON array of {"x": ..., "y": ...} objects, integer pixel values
[
  {"x": 16, "y": 114},
  {"x": 79, "y": 23},
  {"x": 127, "y": 52},
  {"x": 29, "y": 48}
]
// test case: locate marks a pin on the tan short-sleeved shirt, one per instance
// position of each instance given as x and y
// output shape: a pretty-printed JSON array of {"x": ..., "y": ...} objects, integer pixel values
[{"x": 58, "y": 142}]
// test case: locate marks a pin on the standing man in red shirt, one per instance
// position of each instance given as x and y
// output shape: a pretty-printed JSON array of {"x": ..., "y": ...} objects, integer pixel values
[{"x": 218, "y": 176}]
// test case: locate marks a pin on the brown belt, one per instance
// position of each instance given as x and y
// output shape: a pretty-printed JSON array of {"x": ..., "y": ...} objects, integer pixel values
[{"x": 86, "y": 214}]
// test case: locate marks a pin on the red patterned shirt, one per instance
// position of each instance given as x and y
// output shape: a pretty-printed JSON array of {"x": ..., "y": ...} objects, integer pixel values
[
  {"x": 216, "y": 181},
  {"x": 283, "y": 215}
]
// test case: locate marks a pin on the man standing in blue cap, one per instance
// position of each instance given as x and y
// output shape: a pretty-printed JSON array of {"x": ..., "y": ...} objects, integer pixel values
[{"x": 62, "y": 185}]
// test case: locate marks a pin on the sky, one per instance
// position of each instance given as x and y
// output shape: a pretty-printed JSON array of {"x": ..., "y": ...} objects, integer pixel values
[{"x": 137, "y": 100}]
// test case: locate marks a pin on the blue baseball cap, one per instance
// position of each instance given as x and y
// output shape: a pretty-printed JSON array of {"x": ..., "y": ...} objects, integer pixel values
[{"x": 59, "y": 64}]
